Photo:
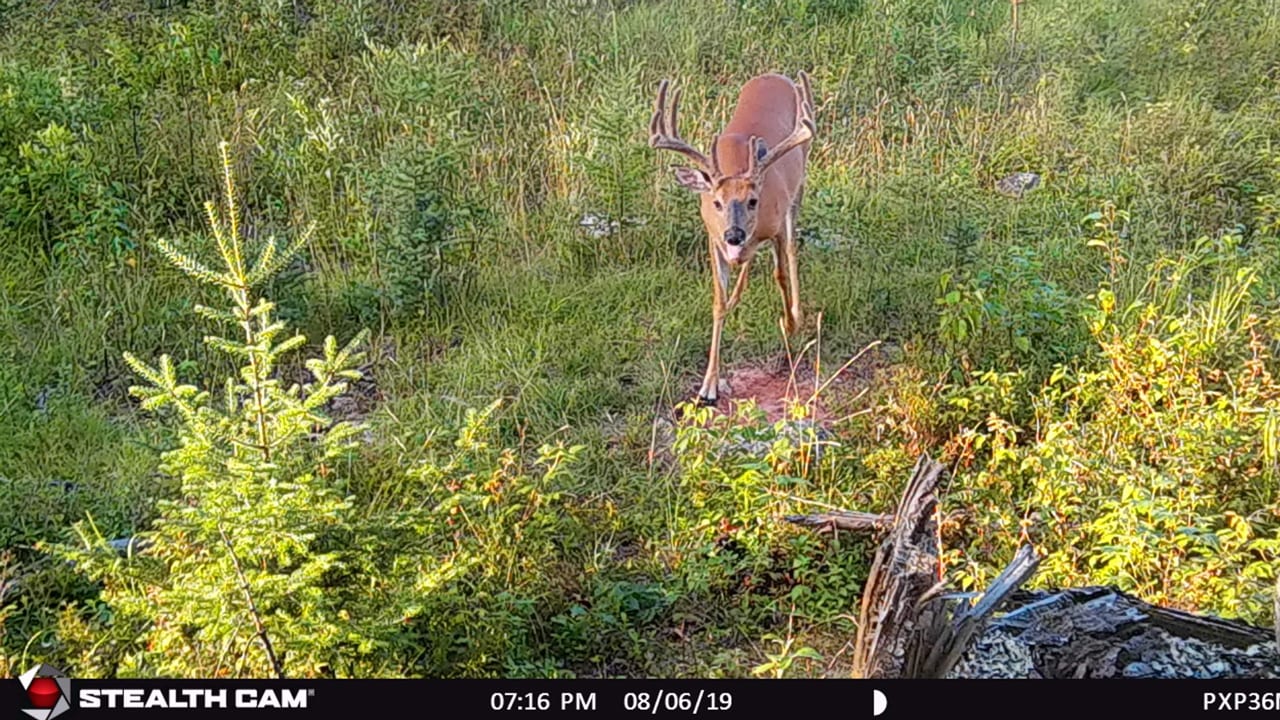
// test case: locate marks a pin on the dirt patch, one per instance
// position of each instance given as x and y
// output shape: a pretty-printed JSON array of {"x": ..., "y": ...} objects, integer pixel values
[{"x": 777, "y": 383}]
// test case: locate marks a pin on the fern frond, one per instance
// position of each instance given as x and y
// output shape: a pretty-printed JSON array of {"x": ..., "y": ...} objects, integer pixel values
[
  {"x": 233, "y": 209},
  {"x": 349, "y": 354},
  {"x": 231, "y": 347},
  {"x": 263, "y": 307},
  {"x": 219, "y": 238},
  {"x": 291, "y": 344},
  {"x": 147, "y": 372},
  {"x": 264, "y": 260}
]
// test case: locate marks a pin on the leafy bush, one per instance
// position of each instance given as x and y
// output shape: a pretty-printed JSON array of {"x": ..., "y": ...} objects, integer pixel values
[
  {"x": 419, "y": 253},
  {"x": 494, "y": 519},
  {"x": 615, "y": 168},
  {"x": 448, "y": 155},
  {"x": 739, "y": 476},
  {"x": 1151, "y": 467},
  {"x": 1006, "y": 314},
  {"x": 54, "y": 194}
]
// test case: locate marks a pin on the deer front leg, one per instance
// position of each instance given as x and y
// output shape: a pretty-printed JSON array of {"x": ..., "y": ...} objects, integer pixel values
[
  {"x": 721, "y": 307},
  {"x": 739, "y": 286},
  {"x": 710, "y": 391}
]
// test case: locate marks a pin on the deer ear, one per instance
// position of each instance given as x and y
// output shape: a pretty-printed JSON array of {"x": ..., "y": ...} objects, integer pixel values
[{"x": 695, "y": 180}]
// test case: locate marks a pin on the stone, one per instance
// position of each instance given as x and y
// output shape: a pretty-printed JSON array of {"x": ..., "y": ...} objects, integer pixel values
[{"x": 1018, "y": 184}]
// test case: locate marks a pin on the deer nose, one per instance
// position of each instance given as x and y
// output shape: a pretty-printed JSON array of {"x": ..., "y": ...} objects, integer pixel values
[{"x": 735, "y": 236}]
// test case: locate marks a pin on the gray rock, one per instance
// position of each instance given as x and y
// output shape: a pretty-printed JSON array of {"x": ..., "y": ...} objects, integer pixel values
[
  {"x": 1018, "y": 184},
  {"x": 1139, "y": 670}
]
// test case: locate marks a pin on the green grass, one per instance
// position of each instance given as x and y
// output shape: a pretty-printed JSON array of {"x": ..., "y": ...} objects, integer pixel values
[{"x": 446, "y": 156}]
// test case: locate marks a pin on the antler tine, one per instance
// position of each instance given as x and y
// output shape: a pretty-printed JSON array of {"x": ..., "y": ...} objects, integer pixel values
[
  {"x": 663, "y": 128},
  {"x": 803, "y": 132},
  {"x": 656, "y": 122},
  {"x": 806, "y": 88},
  {"x": 675, "y": 113}
]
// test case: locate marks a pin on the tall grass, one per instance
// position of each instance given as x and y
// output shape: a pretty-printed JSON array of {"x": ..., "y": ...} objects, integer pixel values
[{"x": 448, "y": 154}]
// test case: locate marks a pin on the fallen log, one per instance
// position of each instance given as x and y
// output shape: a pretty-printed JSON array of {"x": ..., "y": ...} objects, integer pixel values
[{"x": 907, "y": 627}]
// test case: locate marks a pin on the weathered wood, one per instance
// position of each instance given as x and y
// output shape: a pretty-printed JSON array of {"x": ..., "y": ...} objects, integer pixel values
[
  {"x": 1035, "y": 607},
  {"x": 851, "y": 520},
  {"x": 904, "y": 570},
  {"x": 935, "y": 653},
  {"x": 1100, "y": 632}
]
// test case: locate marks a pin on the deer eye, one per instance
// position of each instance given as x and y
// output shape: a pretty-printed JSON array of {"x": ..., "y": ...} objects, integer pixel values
[
  {"x": 752, "y": 203},
  {"x": 717, "y": 204}
]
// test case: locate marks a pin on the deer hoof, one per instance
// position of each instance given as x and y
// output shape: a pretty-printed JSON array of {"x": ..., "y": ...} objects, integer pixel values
[{"x": 704, "y": 401}]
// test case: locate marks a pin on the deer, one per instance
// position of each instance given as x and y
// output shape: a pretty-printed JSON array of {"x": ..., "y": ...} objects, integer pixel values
[{"x": 750, "y": 186}]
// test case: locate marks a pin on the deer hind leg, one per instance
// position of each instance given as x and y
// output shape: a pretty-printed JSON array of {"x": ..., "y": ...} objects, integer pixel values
[
  {"x": 786, "y": 273},
  {"x": 795, "y": 215},
  {"x": 793, "y": 271},
  {"x": 780, "y": 266}
]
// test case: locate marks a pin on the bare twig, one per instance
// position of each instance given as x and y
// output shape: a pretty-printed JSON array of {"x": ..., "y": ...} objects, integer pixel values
[
  {"x": 253, "y": 608},
  {"x": 852, "y": 521}
]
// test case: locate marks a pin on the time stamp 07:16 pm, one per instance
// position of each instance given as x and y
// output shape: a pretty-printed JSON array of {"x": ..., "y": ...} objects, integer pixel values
[{"x": 645, "y": 702}]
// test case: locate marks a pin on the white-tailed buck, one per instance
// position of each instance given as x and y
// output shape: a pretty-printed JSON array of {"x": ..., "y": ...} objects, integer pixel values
[{"x": 751, "y": 187}]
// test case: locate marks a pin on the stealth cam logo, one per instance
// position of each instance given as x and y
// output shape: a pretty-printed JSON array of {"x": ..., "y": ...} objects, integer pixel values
[{"x": 48, "y": 689}]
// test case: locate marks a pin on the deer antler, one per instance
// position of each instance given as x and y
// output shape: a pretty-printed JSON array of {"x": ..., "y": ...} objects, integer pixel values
[
  {"x": 803, "y": 132},
  {"x": 665, "y": 135}
]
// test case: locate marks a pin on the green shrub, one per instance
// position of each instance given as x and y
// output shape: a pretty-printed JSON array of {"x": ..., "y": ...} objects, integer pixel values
[
  {"x": 739, "y": 476},
  {"x": 1152, "y": 465},
  {"x": 447, "y": 155},
  {"x": 239, "y": 578},
  {"x": 495, "y": 520}
]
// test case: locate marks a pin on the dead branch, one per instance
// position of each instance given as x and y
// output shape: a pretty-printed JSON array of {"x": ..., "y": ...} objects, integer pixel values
[
  {"x": 934, "y": 654},
  {"x": 851, "y": 520},
  {"x": 911, "y": 626}
]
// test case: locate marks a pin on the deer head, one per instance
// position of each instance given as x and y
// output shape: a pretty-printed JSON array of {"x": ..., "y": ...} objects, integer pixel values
[{"x": 731, "y": 179}]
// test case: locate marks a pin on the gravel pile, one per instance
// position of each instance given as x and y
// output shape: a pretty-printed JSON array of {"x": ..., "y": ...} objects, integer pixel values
[{"x": 1101, "y": 633}]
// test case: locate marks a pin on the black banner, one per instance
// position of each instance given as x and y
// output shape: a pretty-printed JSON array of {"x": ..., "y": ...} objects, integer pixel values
[{"x": 39, "y": 698}]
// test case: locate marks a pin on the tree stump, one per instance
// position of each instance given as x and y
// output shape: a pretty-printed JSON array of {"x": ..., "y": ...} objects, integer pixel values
[{"x": 909, "y": 626}]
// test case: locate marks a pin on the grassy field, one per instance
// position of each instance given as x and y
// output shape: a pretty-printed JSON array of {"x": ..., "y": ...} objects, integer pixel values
[{"x": 1092, "y": 360}]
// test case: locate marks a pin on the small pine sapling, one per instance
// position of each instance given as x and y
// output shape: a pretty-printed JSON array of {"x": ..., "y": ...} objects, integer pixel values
[{"x": 235, "y": 580}]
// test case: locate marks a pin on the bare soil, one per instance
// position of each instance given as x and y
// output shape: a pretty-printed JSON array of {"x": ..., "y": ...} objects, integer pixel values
[{"x": 776, "y": 383}]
